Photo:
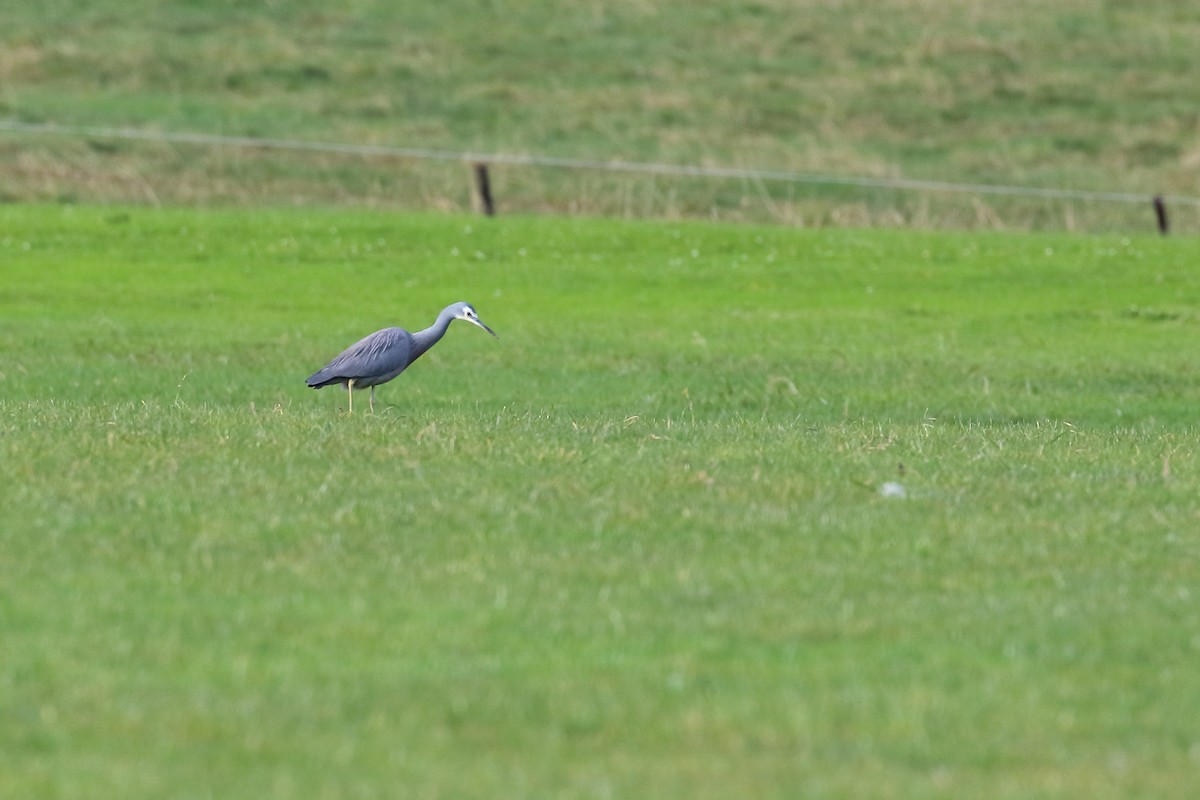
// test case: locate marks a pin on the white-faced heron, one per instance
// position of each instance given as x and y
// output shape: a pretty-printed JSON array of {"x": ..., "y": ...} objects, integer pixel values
[{"x": 385, "y": 354}]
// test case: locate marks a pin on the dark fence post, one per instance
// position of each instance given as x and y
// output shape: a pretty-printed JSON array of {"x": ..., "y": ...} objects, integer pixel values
[
  {"x": 1160, "y": 210},
  {"x": 484, "y": 187}
]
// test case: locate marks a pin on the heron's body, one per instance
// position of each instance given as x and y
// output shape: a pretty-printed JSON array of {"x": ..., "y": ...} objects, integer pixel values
[{"x": 383, "y": 355}]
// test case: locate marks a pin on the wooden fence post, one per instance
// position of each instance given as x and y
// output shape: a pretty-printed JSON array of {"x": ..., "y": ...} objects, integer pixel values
[
  {"x": 484, "y": 187},
  {"x": 1160, "y": 211}
]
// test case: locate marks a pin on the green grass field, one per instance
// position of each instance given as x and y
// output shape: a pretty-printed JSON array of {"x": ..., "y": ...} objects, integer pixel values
[
  {"x": 636, "y": 547},
  {"x": 1073, "y": 94}
]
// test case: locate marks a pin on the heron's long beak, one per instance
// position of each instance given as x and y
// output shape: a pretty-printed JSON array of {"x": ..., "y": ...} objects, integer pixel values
[{"x": 479, "y": 322}]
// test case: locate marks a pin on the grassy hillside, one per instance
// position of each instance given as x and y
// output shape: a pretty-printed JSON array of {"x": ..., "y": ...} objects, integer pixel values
[
  {"x": 1081, "y": 94},
  {"x": 635, "y": 547}
]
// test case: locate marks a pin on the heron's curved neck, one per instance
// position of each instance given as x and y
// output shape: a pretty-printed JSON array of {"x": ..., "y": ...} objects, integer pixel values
[{"x": 423, "y": 340}]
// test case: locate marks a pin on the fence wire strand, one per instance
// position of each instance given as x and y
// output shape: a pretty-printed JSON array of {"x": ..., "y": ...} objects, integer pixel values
[{"x": 556, "y": 162}]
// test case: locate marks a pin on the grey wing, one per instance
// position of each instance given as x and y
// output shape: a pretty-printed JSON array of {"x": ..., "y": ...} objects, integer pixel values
[{"x": 378, "y": 358}]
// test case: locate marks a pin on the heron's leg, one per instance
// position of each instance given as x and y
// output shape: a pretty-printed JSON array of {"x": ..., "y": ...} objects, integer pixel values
[
  {"x": 350, "y": 394},
  {"x": 372, "y": 399}
]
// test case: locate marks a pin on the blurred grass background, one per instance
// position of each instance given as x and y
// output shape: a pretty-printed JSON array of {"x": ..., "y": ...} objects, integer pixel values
[{"x": 1079, "y": 94}]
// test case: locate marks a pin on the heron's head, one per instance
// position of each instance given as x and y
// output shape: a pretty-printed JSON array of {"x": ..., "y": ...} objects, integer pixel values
[{"x": 464, "y": 311}]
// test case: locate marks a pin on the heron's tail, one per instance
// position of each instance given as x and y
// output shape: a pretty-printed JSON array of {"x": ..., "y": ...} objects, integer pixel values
[{"x": 323, "y": 378}]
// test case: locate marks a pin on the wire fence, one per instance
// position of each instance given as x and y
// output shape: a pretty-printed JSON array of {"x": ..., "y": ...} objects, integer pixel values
[{"x": 481, "y": 159}]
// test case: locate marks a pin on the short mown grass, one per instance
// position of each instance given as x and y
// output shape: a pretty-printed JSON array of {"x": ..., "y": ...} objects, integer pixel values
[{"x": 635, "y": 547}]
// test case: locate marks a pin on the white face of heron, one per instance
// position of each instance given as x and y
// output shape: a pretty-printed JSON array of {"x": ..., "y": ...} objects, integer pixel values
[{"x": 467, "y": 313}]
